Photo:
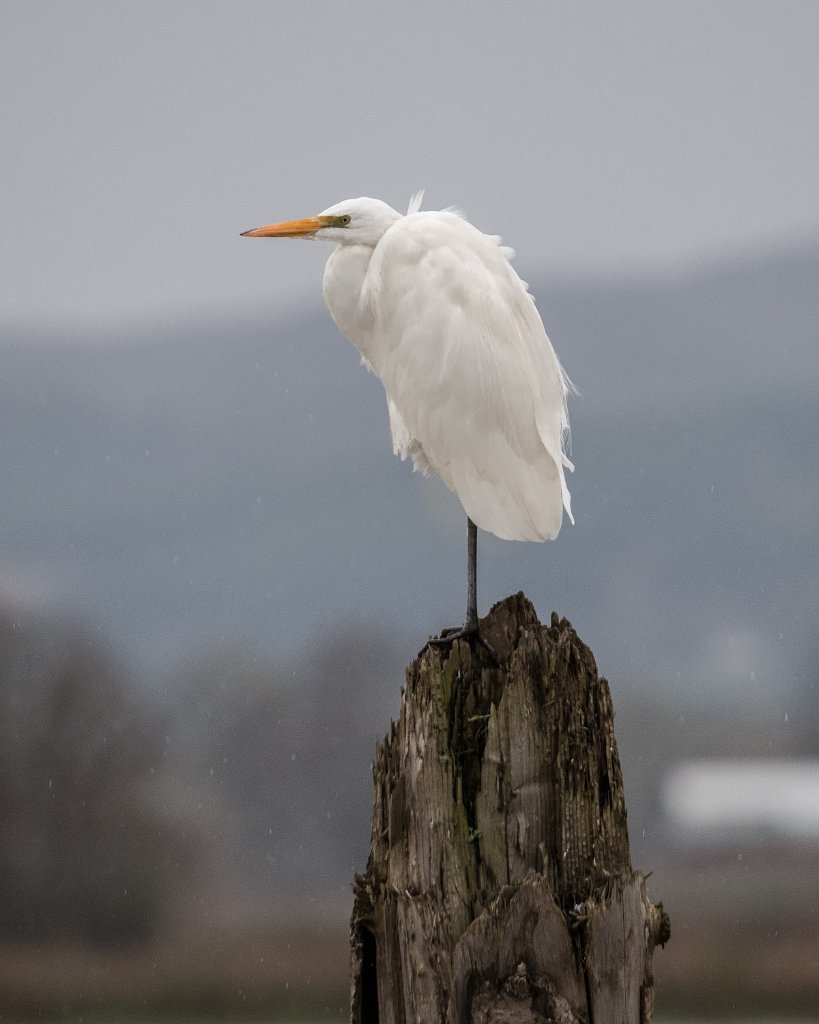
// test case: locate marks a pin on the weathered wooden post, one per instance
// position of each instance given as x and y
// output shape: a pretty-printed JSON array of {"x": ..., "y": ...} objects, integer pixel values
[{"x": 499, "y": 886}]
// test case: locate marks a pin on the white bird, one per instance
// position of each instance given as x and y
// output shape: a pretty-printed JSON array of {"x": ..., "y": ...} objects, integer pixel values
[{"x": 475, "y": 392}]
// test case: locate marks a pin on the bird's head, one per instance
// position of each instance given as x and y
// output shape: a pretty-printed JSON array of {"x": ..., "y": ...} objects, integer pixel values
[{"x": 351, "y": 222}]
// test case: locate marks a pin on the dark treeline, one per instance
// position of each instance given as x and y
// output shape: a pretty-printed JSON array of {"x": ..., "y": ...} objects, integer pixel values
[
  {"x": 125, "y": 809},
  {"x": 128, "y": 810},
  {"x": 86, "y": 841}
]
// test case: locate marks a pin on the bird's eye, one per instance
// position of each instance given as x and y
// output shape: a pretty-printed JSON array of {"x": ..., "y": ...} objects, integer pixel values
[{"x": 344, "y": 220}]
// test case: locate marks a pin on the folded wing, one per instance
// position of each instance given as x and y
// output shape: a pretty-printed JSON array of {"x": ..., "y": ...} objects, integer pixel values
[{"x": 474, "y": 388}]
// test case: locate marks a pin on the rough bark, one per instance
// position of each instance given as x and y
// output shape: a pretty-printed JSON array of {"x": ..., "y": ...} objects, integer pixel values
[{"x": 499, "y": 886}]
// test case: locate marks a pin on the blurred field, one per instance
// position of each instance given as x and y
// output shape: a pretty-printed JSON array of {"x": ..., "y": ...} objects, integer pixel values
[
  {"x": 295, "y": 974},
  {"x": 744, "y": 946},
  {"x": 744, "y": 932}
]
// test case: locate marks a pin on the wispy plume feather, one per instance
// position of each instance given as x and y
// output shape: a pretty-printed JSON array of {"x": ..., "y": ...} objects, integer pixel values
[{"x": 415, "y": 201}]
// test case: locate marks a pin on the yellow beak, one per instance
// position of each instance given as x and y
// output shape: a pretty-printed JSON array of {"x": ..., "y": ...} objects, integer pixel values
[{"x": 304, "y": 228}]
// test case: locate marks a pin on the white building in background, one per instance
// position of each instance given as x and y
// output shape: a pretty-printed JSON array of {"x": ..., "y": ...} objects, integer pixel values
[{"x": 714, "y": 799}]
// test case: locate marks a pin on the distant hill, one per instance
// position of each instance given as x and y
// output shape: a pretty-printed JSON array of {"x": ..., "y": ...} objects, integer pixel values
[{"x": 228, "y": 482}]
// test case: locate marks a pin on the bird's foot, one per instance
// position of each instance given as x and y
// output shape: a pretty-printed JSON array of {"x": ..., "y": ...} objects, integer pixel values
[{"x": 469, "y": 631}]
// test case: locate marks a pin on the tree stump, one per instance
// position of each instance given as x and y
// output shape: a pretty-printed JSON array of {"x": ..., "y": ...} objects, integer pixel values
[{"x": 499, "y": 886}]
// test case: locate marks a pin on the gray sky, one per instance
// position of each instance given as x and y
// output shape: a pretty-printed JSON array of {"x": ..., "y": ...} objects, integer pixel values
[{"x": 139, "y": 138}]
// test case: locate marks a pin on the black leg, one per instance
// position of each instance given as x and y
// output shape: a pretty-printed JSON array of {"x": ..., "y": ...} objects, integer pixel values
[
  {"x": 470, "y": 629},
  {"x": 471, "y": 624}
]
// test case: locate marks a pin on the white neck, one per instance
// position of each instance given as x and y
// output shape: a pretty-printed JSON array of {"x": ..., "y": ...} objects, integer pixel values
[{"x": 343, "y": 279}]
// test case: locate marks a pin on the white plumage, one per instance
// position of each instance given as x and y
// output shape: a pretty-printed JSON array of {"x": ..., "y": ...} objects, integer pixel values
[{"x": 475, "y": 392}]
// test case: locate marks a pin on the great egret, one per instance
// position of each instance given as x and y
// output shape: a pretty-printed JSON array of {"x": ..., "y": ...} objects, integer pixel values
[{"x": 475, "y": 392}]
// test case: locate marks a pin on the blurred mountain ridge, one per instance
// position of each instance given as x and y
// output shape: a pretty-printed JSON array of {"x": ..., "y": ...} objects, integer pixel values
[{"x": 191, "y": 486}]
